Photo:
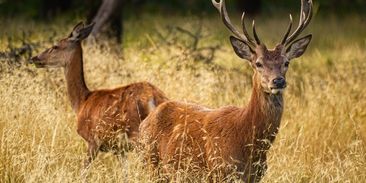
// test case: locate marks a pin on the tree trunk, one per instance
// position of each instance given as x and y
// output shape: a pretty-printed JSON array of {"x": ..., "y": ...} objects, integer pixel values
[
  {"x": 109, "y": 14},
  {"x": 51, "y": 8},
  {"x": 250, "y": 7}
]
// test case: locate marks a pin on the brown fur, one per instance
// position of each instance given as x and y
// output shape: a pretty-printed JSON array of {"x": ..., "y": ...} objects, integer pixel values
[
  {"x": 231, "y": 137},
  {"x": 215, "y": 138},
  {"x": 108, "y": 118},
  {"x": 105, "y": 118}
]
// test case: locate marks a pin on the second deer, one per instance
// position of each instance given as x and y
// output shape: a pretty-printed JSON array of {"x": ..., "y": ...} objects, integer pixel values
[
  {"x": 104, "y": 117},
  {"x": 229, "y": 138}
]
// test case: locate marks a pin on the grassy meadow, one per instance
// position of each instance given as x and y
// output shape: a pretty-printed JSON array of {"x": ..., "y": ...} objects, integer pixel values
[{"x": 323, "y": 130}]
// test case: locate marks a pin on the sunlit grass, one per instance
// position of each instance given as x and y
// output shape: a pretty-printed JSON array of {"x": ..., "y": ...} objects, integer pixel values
[{"x": 322, "y": 136}]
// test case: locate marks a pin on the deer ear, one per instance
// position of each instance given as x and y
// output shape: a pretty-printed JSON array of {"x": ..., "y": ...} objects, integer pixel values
[
  {"x": 298, "y": 47},
  {"x": 81, "y": 32},
  {"x": 76, "y": 29},
  {"x": 241, "y": 48}
]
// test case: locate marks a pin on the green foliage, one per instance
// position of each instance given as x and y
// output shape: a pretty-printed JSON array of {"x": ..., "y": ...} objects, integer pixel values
[{"x": 32, "y": 8}]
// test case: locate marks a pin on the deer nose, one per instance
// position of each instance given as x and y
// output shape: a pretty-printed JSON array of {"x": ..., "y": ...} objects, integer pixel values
[
  {"x": 279, "y": 82},
  {"x": 33, "y": 59}
]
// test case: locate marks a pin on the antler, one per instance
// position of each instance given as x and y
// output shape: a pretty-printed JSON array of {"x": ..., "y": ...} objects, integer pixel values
[
  {"x": 221, "y": 7},
  {"x": 306, "y": 14}
]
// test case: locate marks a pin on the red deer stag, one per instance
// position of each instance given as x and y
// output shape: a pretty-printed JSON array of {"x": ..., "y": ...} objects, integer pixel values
[
  {"x": 103, "y": 116},
  {"x": 235, "y": 137}
]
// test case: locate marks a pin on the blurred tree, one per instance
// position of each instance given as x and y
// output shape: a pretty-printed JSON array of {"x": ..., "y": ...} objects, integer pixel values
[
  {"x": 51, "y": 8},
  {"x": 250, "y": 7},
  {"x": 109, "y": 16},
  {"x": 46, "y": 8}
]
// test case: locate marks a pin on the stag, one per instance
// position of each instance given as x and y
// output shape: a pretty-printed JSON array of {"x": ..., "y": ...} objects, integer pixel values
[
  {"x": 229, "y": 140},
  {"x": 104, "y": 117}
]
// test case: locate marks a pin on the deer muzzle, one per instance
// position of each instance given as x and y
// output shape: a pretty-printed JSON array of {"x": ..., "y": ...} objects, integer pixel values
[
  {"x": 36, "y": 61},
  {"x": 278, "y": 85}
]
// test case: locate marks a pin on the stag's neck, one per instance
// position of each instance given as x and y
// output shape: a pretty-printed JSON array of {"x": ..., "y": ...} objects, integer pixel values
[
  {"x": 74, "y": 73},
  {"x": 263, "y": 112}
]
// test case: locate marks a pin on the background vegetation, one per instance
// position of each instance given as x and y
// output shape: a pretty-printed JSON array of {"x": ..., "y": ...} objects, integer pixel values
[
  {"x": 322, "y": 136},
  {"x": 33, "y": 7}
]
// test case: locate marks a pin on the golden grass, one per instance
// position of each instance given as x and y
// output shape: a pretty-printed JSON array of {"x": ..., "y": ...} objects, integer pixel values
[{"x": 323, "y": 131}]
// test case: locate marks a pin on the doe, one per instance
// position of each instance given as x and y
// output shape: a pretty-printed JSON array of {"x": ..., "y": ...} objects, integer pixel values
[{"x": 104, "y": 117}]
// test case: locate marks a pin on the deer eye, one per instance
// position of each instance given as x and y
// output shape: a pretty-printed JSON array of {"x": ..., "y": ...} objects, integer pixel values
[
  {"x": 55, "y": 47},
  {"x": 287, "y": 64},
  {"x": 258, "y": 65}
]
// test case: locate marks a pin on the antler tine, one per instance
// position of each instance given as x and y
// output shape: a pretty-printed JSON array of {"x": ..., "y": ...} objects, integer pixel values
[
  {"x": 221, "y": 6},
  {"x": 305, "y": 17},
  {"x": 288, "y": 31},
  {"x": 216, "y": 4},
  {"x": 255, "y": 34},
  {"x": 310, "y": 13},
  {"x": 227, "y": 22},
  {"x": 250, "y": 40}
]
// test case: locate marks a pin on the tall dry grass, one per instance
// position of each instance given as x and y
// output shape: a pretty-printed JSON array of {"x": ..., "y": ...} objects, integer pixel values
[{"x": 323, "y": 131}]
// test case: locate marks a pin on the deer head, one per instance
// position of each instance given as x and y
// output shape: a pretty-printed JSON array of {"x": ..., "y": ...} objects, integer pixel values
[
  {"x": 270, "y": 65},
  {"x": 60, "y": 54}
]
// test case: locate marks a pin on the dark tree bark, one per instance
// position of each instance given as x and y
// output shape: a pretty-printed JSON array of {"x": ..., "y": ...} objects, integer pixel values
[
  {"x": 51, "y": 8},
  {"x": 92, "y": 9},
  {"x": 109, "y": 14},
  {"x": 250, "y": 7}
]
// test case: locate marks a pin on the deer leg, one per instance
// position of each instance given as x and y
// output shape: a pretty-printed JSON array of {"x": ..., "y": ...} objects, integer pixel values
[
  {"x": 92, "y": 153},
  {"x": 259, "y": 168}
]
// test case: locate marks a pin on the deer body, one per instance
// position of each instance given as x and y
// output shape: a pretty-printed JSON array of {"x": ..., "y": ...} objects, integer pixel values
[
  {"x": 105, "y": 118},
  {"x": 106, "y": 115},
  {"x": 229, "y": 138}
]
